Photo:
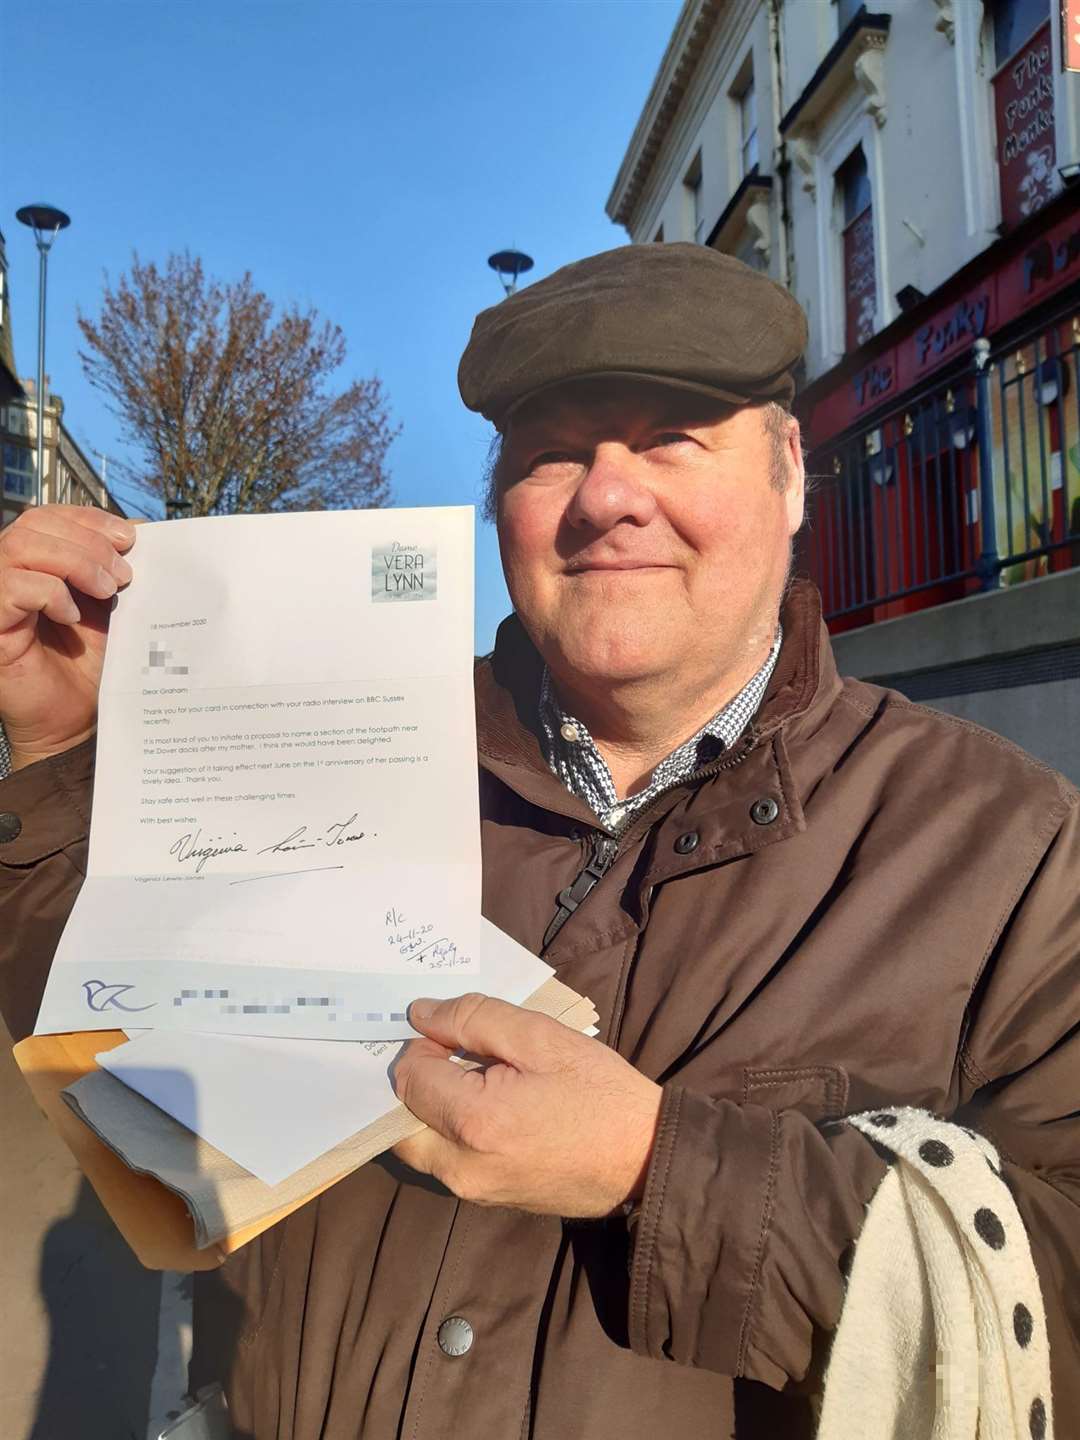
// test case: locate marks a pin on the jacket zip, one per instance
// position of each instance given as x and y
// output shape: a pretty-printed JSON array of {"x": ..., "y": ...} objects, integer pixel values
[{"x": 604, "y": 850}]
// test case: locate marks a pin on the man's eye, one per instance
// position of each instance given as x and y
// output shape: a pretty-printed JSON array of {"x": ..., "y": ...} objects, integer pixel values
[
  {"x": 549, "y": 457},
  {"x": 670, "y": 437}
]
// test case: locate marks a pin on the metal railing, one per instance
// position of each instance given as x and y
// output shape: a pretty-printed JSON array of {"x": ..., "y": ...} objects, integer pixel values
[{"x": 972, "y": 485}]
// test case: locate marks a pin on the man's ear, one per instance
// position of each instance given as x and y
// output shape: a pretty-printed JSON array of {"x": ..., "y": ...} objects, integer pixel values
[{"x": 795, "y": 465}]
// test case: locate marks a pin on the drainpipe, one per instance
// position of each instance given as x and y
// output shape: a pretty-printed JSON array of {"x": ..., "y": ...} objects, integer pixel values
[{"x": 783, "y": 164}]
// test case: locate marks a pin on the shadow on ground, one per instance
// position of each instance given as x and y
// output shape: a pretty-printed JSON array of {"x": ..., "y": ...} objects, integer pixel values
[{"x": 79, "y": 1322}]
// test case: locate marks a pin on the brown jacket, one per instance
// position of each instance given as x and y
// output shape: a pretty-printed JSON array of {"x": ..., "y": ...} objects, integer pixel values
[{"x": 867, "y": 903}]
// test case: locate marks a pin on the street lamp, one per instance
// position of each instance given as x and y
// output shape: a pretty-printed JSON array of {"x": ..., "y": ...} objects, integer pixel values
[
  {"x": 508, "y": 265},
  {"x": 46, "y": 222}
]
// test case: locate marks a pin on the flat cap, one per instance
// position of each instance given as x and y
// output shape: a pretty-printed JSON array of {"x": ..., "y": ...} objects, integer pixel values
[{"x": 685, "y": 315}]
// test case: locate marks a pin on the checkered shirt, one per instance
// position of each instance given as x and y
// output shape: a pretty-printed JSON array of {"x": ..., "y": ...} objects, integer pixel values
[
  {"x": 572, "y": 754},
  {"x": 5, "y": 755}
]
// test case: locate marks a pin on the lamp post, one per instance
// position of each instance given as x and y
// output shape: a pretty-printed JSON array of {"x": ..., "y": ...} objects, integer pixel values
[
  {"x": 46, "y": 222},
  {"x": 508, "y": 265},
  {"x": 988, "y": 565}
]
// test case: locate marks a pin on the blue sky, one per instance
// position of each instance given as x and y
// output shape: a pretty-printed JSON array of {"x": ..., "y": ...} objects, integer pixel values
[{"x": 363, "y": 156}]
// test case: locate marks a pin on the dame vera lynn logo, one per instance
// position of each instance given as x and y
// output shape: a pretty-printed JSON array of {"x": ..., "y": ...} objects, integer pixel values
[{"x": 401, "y": 571}]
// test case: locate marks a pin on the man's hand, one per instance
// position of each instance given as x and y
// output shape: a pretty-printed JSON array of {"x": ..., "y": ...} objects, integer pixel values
[
  {"x": 60, "y": 566},
  {"x": 557, "y": 1123}
]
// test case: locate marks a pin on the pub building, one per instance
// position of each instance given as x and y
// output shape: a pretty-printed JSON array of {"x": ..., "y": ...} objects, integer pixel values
[
  {"x": 911, "y": 171},
  {"x": 946, "y": 444},
  {"x": 966, "y": 406}
]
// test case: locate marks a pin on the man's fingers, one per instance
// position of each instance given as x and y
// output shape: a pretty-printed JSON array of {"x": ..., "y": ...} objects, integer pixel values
[
  {"x": 91, "y": 564},
  {"x": 426, "y": 1152},
  {"x": 29, "y": 592},
  {"x": 58, "y": 520},
  {"x": 435, "y": 1088},
  {"x": 481, "y": 1025}
]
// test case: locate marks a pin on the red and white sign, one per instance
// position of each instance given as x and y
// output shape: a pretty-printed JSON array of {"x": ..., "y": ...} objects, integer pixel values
[
  {"x": 860, "y": 282},
  {"x": 1070, "y": 35},
  {"x": 1024, "y": 110}
]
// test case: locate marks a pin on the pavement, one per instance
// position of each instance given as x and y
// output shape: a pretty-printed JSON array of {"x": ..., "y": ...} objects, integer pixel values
[{"x": 92, "y": 1346}]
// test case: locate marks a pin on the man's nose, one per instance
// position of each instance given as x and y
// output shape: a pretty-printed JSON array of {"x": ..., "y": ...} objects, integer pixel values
[{"x": 612, "y": 490}]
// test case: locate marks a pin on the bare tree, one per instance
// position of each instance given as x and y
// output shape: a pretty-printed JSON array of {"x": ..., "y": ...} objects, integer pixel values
[{"x": 229, "y": 408}]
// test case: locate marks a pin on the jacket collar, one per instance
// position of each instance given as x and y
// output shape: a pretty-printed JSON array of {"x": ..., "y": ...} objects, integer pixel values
[{"x": 803, "y": 686}]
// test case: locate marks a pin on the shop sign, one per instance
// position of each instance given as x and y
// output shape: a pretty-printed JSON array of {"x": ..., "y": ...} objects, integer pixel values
[
  {"x": 1051, "y": 260},
  {"x": 873, "y": 384},
  {"x": 860, "y": 282},
  {"x": 1024, "y": 110},
  {"x": 949, "y": 331},
  {"x": 1044, "y": 266},
  {"x": 1070, "y": 35}
]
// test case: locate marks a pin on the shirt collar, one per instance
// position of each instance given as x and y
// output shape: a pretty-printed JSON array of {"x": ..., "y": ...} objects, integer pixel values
[{"x": 573, "y": 756}]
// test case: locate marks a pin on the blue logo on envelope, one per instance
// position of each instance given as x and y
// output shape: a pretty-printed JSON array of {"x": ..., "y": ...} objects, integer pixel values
[
  {"x": 402, "y": 571},
  {"x": 101, "y": 997}
]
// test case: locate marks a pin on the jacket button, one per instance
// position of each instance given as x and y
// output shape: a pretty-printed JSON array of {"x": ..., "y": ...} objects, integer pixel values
[
  {"x": 10, "y": 827},
  {"x": 685, "y": 843},
  {"x": 764, "y": 811},
  {"x": 455, "y": 1336}
]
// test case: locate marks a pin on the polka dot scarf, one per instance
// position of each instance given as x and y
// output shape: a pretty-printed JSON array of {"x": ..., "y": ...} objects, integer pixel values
[{"x": 942, "y": 1335}]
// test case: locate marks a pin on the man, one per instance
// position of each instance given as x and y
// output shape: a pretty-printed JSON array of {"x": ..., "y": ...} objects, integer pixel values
[{"x": 790, "y": 897}]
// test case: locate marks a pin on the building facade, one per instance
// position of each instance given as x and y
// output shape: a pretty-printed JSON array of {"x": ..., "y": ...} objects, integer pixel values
[
  {"x": 69, "y": 477},
  {"x": 911, "y": 172}
]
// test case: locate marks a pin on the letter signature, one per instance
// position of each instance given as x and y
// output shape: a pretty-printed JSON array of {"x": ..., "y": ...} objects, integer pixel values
[
  {"x": 188, "y": 848},
  {"x": 191, "y": 847},
  {"x": 291, "y": 842},
  {"x": 336, "y": 834}
]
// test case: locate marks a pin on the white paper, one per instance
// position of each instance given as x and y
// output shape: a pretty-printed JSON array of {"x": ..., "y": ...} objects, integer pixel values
[
  {"x": 285, "y": 831},
  {"x": 273, "y": 1106}
]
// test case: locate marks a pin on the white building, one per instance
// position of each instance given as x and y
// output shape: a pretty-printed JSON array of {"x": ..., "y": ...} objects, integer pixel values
[
  {"x": 772, "y": 126},
  {"x": 911, "y": 171}
]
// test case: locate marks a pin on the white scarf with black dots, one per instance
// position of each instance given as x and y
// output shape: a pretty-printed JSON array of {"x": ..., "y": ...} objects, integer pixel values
[{"x": 942, "y": 1334}]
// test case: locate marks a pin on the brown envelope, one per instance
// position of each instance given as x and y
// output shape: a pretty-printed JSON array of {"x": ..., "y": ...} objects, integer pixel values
[
  {"x": 154, "y": 1221},
  {"x": 230, "y": 1207}
]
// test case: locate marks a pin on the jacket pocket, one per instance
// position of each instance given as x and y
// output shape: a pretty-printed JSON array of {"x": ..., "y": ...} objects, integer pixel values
[{"x": 818, "y": 1091}]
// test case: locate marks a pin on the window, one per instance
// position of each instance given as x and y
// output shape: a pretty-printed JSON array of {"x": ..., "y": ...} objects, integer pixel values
[
  {"x": 15, "y": 418},
  {"x": 748, "y": 139},
  {"x": 1014, "y": 22},
  {"x": 854, "y": 179},
  {"x": 695, "y": 214},
  {"x": 18, "y": 472},
  {"x": 860, "y": 277}
]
